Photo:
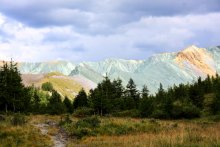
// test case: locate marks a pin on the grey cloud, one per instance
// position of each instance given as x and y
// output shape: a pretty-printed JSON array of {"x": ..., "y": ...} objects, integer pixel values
[
  {"x": 115, "y": 30},
  {"x": 87, "y": 15}
]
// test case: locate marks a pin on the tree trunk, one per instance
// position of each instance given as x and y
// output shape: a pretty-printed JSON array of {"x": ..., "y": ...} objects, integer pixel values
[
  {"x": 6, "y": 109},
  {"x": 101, "y": 112},
  {"x": 14, "y": 106}
]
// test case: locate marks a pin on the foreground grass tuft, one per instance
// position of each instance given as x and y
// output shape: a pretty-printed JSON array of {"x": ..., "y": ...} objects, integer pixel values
[{"x": 24, "y": 135}]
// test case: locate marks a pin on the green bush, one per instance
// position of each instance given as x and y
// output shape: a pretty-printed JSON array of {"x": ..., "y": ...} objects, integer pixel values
[
  {"x": 47, "y": 86},
  {"x": 83, "y": 112},
  {"x": 215, "y": 118},
  {"x": 18, "y": 119},
  {"x": 115, "y": 129},
  {"x": 160, "y": 114},
  {"x": 89, "y": 122},
  {"x": 184, "y": 110},
  {"x": 81, "y": 132},
  {"x": 66, "y": 120},
  {"x": 127, "y": 113},
  {"x": 83, "y": 127}
]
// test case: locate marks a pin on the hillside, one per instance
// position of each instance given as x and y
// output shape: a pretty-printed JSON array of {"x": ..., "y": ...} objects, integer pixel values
[
  {"x": 65, "y": 85},
  {"x": 167, "y": 68}
]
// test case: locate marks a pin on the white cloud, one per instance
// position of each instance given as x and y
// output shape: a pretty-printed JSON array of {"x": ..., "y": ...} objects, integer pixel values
[{"x": 135, "y": 40}]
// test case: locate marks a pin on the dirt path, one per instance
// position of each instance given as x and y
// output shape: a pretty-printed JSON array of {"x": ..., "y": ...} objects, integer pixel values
[{"x": 59, "y": 139}]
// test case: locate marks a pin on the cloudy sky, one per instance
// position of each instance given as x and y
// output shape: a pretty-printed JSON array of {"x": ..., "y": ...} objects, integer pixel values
[{"x": 92, "y": 30}]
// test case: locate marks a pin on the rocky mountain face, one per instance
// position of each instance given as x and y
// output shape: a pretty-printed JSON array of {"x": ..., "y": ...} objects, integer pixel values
[
  {"x": 46, "y": 67},
  {"x": 167, "y": 68}
]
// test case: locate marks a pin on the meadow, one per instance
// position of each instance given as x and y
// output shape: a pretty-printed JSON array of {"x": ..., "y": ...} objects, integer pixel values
[{"x": 110, "y": 131}]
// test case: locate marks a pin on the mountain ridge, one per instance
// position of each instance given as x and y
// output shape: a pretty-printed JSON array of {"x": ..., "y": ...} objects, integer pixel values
[{"x": 166, "y": 68}]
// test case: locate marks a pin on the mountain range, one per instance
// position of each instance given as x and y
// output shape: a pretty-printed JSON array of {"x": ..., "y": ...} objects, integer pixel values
[{"x": 165, "y": 68}]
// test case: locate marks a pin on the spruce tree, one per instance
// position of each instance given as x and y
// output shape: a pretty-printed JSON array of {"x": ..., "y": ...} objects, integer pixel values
[
  {"x": 132, "y": 92},
  {"x": 56, "y": 105},
  {"x": 36, "y": 101},
  {"x": 11, "y": 88},
  {"x": 80, "y": 100},
  {"x": 145, "y": 92},
  {"x": 68, "y": 104}
]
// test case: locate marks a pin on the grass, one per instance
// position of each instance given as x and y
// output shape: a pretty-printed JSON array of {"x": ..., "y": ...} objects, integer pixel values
[
  {"x": 126, "y": 132},
  {"x": 117, "y": 132},
  {"x": 64, "y": 84},
  {"x": 22, "y": 136}
]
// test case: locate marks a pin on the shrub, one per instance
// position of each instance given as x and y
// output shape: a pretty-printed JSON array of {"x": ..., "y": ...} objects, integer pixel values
[
  {"x": 89, "y": 122},
  {"x": 47, "y": 86},
  {"x": 115, "y": 129},
  {"x": 83, "y": 112},
  {"x": 127, "y": 113},
  {"x": 215, "y": 118},
  {"x": 81, "y": 132},
  {"x": 161, "y": 114},
  {"x": 66, "y": 120},
  {"x": 191, "y": 111},
  {"x": 185, "y": 110},
  {"x": 83, "y": 127},
  {"x": 18, "y": 119}
]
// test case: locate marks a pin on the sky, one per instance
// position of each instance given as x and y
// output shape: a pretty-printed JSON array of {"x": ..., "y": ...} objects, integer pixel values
[{"x": 93, "y": 30}]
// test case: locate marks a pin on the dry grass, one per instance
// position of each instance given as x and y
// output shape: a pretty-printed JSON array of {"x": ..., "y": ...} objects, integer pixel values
[
  {"x": 22, "y": 136},
  {"x": 145, "y": 132},
  {"x": 169, "y": 134},
  {"x": 36, "y": 119},
  {"x": 64, "y": 84}
]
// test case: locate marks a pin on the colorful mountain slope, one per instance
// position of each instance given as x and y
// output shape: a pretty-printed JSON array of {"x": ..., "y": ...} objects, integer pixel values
[{"x": 167, "y": 68}]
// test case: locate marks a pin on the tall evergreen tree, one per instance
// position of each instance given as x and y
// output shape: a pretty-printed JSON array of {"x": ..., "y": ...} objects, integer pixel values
[
  {"x": 68, "y": 104},
  {"x": 80, "y": 100},
  {"x": 56, "y": 105},
  {"x": 11, "y": 87},
  {"x": 146, "y": 103},
  {"x": 36, "y": 101},
  {"x": 145, "y": 92},
  {"x": 132, "y": 92},
  {"x": 196, "y": 95}
]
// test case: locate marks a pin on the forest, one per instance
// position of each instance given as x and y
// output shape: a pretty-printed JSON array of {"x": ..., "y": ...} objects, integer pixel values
[{"x": 111, "y": 98}]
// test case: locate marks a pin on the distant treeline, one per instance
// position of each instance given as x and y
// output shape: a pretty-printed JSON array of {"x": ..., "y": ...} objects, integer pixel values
[{"x": 111, "y": 98}]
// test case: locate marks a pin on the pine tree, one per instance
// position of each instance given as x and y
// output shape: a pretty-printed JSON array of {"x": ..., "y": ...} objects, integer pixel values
[
  {"x": 80, "y": 100},
  {"x": 118, "y": 88},
  {"x": 208, "y": 87},
  {"x": 132, "y": 92},
  {"x": 11, "y": 88},
  {"x": 68, "y": 104},
  {"x": 36, "y": 101},
  {"x": 196, "y": 95},
  {"x": 162, "y": 104},
  {"x": 56, "y": 105},
  {"x": 161, "y": 93},
  {"x": 117, "y": 95},
  {"x": 145, "y": 92},
  {"x": 146, "y": 106}
]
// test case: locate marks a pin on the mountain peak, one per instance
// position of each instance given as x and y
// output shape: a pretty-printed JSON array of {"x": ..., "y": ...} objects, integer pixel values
[
  {"x": 191, "y": 49},
  {"x": 200, "y": 58}
]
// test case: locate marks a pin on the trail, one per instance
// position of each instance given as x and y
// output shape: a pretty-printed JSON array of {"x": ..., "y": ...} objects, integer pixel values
[{"x": 59, "y": 139}]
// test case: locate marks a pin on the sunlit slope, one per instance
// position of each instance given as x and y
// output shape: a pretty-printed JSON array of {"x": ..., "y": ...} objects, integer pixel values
[
  {"x": 198, "y": 59},
  {"x": 65, "y": 85}
]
